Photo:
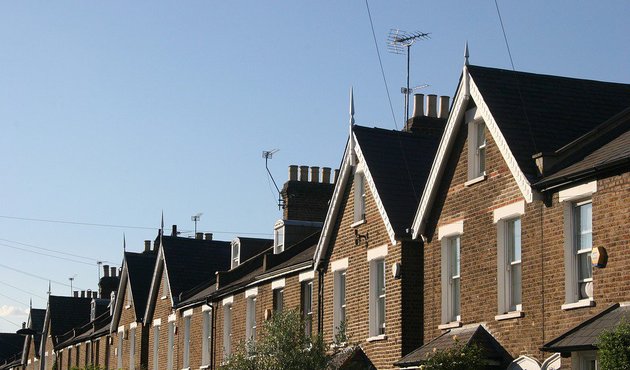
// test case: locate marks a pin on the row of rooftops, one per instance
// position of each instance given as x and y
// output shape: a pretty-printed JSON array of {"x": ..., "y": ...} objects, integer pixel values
[{"x": 557, "y": 129}]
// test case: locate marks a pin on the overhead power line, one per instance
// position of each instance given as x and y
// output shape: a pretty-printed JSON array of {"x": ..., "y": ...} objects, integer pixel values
[
  {"x": 22, "y": 290},
  {"x": 49, "y": 250},
  {"x": 47, "y": 255},
  {"x": 77, "y": 223},
  {"x": 10, "y": 322},
  {"x": 35, "y": 276}
]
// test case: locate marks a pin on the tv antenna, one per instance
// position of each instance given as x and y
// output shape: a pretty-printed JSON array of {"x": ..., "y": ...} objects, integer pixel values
[
  {"x": 399, "y": 42},
  {"x": 196, "y": 219},
  {"x": 268, "y": 154},
  {"x": 71, "y": 280}
]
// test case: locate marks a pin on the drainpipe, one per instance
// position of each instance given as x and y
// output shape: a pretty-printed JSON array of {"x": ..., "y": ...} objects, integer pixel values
[{"x": 320, "y": 302}]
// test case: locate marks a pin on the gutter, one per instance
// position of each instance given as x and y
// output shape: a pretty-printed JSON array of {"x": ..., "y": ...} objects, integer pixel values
[{"x": 552, "y": 184}]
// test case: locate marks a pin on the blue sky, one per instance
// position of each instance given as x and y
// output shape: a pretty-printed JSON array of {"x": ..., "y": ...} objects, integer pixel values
[{"x": 112, "y": 112}]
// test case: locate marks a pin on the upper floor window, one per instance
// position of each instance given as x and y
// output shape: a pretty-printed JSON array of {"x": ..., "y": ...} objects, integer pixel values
[
  {"x": 509, "y": 270},
  {"x": 377, "y": 297},
  {"x": 450, "y": 236},
  {"x": 306, "y": 299},
  {"x": 278, "y": 239},
  {"x": 476, "y": 145},
  {"x": 578, "y": 233},
  {"x": 250, "y": 318},
  {"x": 339, "y": 296},
  {"x": 186, "y": 356},
  {"x": 171, "y": 345},
  {"x": 132, "y": 349},
  {"x": 227, "y": 328},
  {"x": 206, "y": 339},
  {"x": 359, "y": 197},
  {"x": 278, "y": 299},
  {"x": 236, "y": 254},
  {"x": 119, "y": 348},
  {"x": 156, "y": 347}
]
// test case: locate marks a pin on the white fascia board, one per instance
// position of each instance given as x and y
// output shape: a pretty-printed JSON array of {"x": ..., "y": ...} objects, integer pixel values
[
  {"x": 467, "y": 89},
  {"x": 377, "y": 198},
  {"x": 333, "y": 210},
  {"x": 159, "y": 261},
  {"x": 119, "y": 301},
  {"x": 441, "y": 157}
]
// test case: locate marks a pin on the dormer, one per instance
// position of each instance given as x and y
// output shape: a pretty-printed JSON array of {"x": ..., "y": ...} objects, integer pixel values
[
  {"x": 235, "y": 255},
  {"x": 278, "y": 237}
]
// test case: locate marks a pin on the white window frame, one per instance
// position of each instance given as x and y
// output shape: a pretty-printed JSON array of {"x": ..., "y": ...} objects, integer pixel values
[
  {"x": 206, "y": 333},
  {"x": 339, "y": 269},
  {"x": 119, "y": 347},
  {"x": 446, "y": 234},
  {"x": 235, "y": 254},
  {"x": 250, "y": 319},
  {"x": 227, "y": 329},
  {"x": 477, "y": 149},
  {"x": 278, "y": 298},
  {"x": 376, "y": 327},
  {"x": 503, "y": 217},
  {"x": 306, "y": 291},
  {"x": 359, "y": 197},
  {"x": 279, "y": 238},
  {"x": 171, "y": 345},
  {"x": 581, "y": 360},
  {"x": 156, "y": 344},
  {"x": 132, "y": 346},
  {"x": 570, "y": 198},
  {"x": 187, "y": 321}
]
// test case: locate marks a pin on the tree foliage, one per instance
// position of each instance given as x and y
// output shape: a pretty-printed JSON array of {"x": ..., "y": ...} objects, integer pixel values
[
  {"x": 614, "y": 348},
  {"x": 281, "y": 344},
  {"x": 457, "y": 357}
]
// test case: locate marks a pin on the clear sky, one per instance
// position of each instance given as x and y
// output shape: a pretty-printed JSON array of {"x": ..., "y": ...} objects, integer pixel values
[{"x": 112, "y": 112}]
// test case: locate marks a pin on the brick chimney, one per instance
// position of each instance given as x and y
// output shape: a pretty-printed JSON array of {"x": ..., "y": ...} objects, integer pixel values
[
  {"x": 428, "y": 118},
  {"x": 307, "y": 193},
  {"x": 109, "y": 282}
]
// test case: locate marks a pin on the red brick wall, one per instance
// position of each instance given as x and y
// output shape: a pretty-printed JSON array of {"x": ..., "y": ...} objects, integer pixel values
[{"x": 162, "y": 310}]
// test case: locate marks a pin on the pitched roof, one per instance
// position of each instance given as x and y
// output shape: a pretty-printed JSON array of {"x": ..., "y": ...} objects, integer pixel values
[
  {"x": 190, "y": 262},
  {"x": 140, "y": 268},
  {"x": 476, "y": 334},
  {"x": 94, "y": 329},
  {"x": 584, "y": 336},
  {"x": 252, "y": 246},
  {"x": 67, "y": 313},
  {"x": 399, "y": 163},
  {"x": 541, "y": 113},
  {"x": 36, "y": 323},
  {"x": 10, "y": 346}
]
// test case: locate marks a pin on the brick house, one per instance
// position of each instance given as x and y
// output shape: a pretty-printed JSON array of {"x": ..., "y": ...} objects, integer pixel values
[
  {"x": 32, "y": 339},
  {"x": 128, "y": 329},
  {"x": 530, "y": 179},
  {"x": 181, "y": 265},
  {"x": 368, "y": 266}
]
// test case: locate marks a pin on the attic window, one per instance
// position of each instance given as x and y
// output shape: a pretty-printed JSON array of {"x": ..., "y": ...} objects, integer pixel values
[
  {"x": 278, "y": 239},
  {"x": 236, "y": 254},
  {"x": 359, "y": 198},
  {"x": 476, "y": 147}
]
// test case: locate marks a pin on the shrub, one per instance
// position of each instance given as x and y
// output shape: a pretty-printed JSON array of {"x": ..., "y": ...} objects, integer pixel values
[
  {"x": 457, "y": 357},
  {"x": 614, "y": 348}
]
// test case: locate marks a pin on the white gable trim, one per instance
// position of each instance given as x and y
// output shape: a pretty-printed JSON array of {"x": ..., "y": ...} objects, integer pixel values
[
  {"x": 160, "y": 268},
  {"x": 466, "y": 90},
  {"x": 377, "y": 198}
]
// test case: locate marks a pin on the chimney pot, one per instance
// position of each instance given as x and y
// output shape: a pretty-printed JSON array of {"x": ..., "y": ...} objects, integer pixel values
[
  {"x": 113, "y": 271},
  {"x": 293, "y": 172},
  {"x": 147, "y": 245},
  {"x": 23, "y": 325},
  {"x": 208, "y": 236},
  {"x": 418, "y": 105},
  {"x": 83, "y": 294},
  {"x": 88, "y": 293},
  {"x": 303, "y": 173},
  {"x": 94, "y": 294},
  {"x": 336, "y": 176},
  {"x": 314, "y": 174},
  {"x": 174, "y": 232},
  {"x": 199, "y": 236},
  {"x": 326, "y": 175},
  {"x": 444, "y": 100},
  {"x": 432, "y": 105},
  {"x": 76, "y": 294},
  {"x": 105, "y": 270}
]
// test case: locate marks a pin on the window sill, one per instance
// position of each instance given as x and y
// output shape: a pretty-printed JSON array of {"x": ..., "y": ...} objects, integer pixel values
[
  {"x": 450, "y": 325},
  {"x": 358, "y": 223},
  {"x": 186, "y": 368},
  {"x": 376, "y": 338},
  {"x": 475, "y": 180},
  {"x": 579, "y": 304},
  {"x": 204, "y": 367},
  {"x": 510, "y": 315},
  {"x": 338, "y": 345},
  {"x": 127, "y": 307},
  {"x": 163, "y": 297}
]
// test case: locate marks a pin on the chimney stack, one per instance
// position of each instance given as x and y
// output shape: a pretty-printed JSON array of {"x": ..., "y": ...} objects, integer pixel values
[
  {"x": 88, "y": 293},
  {"x": 428, "y": 118},
  {"x": 174, "y": 231},
  {"x": 113, "y": 271},
  {"x": 293, "y": 172},
  {"x": 303, "y": 173},
  {"x": 76, "y": 294},
  {"x": 105, "y": 270},
  {"x": 418, "y": 105},
  {"x": 199, "y": 236},
  {"x": 326, "y": 175},
  {"x": 147, "y": 245},
  {"x": 208, "y": 236}
]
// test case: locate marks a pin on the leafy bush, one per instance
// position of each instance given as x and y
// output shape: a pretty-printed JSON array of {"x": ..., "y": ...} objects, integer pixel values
[
  {"x": 457, "y": 357},
  {"x": 614, "y": 348},
  {"x": 281, "y": 344}
]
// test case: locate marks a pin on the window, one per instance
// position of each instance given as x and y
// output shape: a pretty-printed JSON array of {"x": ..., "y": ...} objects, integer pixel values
[
  {"x": 359, "y": 197},
  {"x": 206, "y": 340},
  {"x": 339, "y": 291},
  {"x": 451, "y": 275},
  {"x": 227, "y": 330},
  {"x": 97, "y": 350},
  {"x": 156, "y": 347},
  {"x": 171, "y": 345},
  {"x": 278, "y": 238},
  {"x": 278, "y": 299},
  {"x": 119, "y": 349},
  {"x": 132, "y": 348},
  {"x": 509, "y": 270},
  {"x": 584, "y": 360},
  {"x": 578, "y": 232},
  {"x": 476, "y": 146},
  {"x": 69, "y": 357},
  {"x": 307, "y": 306},
  {"x": 186, "y": 355},
  {"x": 480, "y": 148},
  {"x": 377, "y": 297},
  {"x": 236, "y": 253},
  {"x": 250, "y": 328}
]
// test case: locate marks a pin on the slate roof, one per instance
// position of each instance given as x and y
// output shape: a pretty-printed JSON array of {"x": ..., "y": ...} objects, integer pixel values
[
  {"x": 399, "y": 163},
  {"x": 583, "y": 337},
  {"x": 252, "y": 246},
  {"x": 466, "y": 335},
  {"x": 191, "y": 262},
  {"x": 140, "y": 268},
  {"x": 11, "y": 345},
  {"x": 93, "y": 329},
  {"x": 37, "y": 318},
  {"x": 67, "y": 313},
  {"x": 350, "y": 358},
  {"x": 541, "y": 113}
]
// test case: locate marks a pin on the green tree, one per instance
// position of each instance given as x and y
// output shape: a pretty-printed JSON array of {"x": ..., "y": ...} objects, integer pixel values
[
  {"x": 614, "y": 348},
  {"x": 457, "y": 357},
  {"x": 281, "y": 344}
]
